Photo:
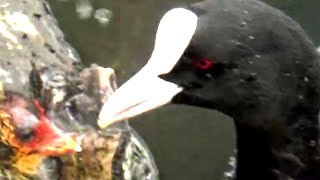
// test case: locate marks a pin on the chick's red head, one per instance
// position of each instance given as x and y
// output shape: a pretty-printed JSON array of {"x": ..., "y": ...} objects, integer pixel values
[{"x": 32, "y": 133}]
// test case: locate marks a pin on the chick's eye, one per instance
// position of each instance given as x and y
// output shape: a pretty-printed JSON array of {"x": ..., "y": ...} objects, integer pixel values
[
  {"x": 24, "y": 135},
  {"x": 203, "y": 63}
]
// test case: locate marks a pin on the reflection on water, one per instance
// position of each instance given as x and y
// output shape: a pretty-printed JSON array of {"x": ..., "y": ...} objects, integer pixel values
[
  {"x": 84, "y": 9},
  {"x": 103, "y": 16},
  {"x": 188, "y": 143}
]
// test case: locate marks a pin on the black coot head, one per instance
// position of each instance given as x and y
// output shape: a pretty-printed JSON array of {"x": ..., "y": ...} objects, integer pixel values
[{"x": 245, "y": 59}]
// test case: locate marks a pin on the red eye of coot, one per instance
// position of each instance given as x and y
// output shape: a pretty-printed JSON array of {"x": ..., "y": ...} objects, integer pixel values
[{"x": 203, "y": 63}]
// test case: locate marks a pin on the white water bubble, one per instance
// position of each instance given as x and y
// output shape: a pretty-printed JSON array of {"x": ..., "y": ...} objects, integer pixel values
[
  {"x": 103, "y": 16},
  {"x": 84, "y": 9}
]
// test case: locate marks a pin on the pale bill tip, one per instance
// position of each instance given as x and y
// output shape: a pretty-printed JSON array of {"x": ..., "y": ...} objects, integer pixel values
[{"x": 103, "y": 123}]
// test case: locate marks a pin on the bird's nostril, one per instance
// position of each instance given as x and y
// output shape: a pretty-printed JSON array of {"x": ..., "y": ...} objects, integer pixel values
[{"x": 191, "y": 85}]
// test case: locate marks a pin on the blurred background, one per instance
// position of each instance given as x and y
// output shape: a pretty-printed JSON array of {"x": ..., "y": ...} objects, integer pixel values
[{"x": 187, "y": 143}]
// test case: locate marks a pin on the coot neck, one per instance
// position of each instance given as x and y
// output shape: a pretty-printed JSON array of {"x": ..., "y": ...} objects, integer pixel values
[
  {"x": 292, "y": 152},
  {"x": 254, "y": 156}
]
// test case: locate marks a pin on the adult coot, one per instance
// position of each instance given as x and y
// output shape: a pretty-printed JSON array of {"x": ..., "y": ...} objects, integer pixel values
[{"x": 247, "y": 60}]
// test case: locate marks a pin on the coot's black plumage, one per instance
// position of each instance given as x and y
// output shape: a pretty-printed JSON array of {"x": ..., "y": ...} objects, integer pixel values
[{"x": 253, "y": 63}]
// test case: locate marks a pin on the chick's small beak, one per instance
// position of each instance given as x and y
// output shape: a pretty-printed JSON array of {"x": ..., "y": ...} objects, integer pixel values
[{"x": 65, "y": 144}]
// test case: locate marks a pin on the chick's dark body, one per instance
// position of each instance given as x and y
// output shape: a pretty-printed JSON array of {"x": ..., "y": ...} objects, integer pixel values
[{"x": 265, "y": 75}]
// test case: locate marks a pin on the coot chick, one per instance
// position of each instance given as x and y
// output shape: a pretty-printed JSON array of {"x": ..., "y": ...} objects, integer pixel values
[
  {"x": 27, "y": 139},
  {"x": 247, "y": 60}
]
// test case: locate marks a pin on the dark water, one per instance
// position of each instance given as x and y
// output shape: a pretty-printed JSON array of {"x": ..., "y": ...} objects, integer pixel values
[{"x": 188, "y": 143}]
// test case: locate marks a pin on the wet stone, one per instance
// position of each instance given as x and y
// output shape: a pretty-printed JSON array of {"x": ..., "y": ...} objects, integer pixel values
[{"x": 36, "y": 62}]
